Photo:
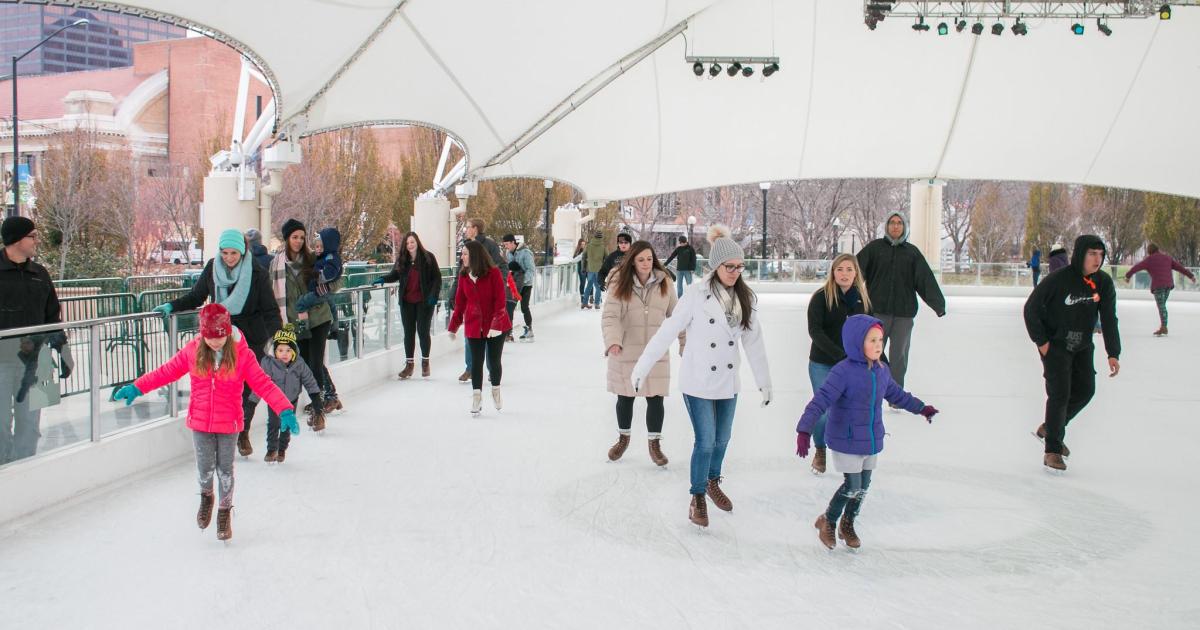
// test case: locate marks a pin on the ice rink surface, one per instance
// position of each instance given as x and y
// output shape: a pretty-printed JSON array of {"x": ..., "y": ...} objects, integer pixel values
[{"x": 409, "y": 513}]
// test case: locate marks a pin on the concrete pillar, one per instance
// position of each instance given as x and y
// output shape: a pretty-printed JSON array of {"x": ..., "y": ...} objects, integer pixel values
[
  {"x": 566, "y": 231},
  {"x": 925, "y": 220},
  {"x": 431, "y": 221},
  {"x": 223, "y": 209}
]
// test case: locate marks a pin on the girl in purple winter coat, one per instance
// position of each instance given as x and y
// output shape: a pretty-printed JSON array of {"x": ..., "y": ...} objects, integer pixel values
[{"x": 853, "y": 396}]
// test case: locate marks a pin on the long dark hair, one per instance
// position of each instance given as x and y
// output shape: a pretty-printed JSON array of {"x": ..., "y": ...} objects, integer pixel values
[
  {"x": 623, "y": 282},
  {"x": 479, "y": 261},
  {"x": 307, "y": 259},
  {"x": 745, "y": 295},
  {"x": 403, "y": 260}
]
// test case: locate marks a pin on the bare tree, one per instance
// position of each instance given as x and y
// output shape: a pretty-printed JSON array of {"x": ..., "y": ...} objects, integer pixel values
[
  {"x": 871, "y": 201},
  {"x": 958, "y": 210},
  {"x": 73, "y": 171},
  {"x": 1119, "y": 216},
  {"x": 170, "y": 197}
]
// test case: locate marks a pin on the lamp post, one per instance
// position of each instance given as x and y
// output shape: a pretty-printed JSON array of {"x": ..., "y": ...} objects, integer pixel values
[
  {"x": 765, "y": 186},
  {"x": 549, "y": 259},
  {"x": 16, "y": 141}
]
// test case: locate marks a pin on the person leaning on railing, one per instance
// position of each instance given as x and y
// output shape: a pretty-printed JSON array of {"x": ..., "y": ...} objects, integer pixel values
[{"x": 27, "y": 298}]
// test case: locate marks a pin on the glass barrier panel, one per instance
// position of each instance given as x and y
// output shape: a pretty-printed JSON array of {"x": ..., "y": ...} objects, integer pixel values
[
  {"x": 374, "y": 320},
  {"x": 36, "y": 417}
]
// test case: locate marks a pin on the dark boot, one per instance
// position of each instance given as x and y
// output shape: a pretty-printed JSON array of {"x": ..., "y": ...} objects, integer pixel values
[
  {"x": 656, "y": 454},
  {"x": 718, "y": 497},
  {"x": 244, "y": 448},
  {"x": 204, "y": 516},
  {"x": 825, "y": 532},
  {"x": 407, "y": 371},
  {"x": 818, "y": 463},
  {"x": 465, "y": 377},
  {"x": 318, "y": 421},
  {"x": 1041, "y": 435},
  {"x": 279, "y": 457},
  {"x": 698, "y": 510},
  {"x": 224, "y": 523},
  {"x": 1054, "y": 461},
  {"x": 618, "y": 449},
  {"x": 332, "y": 405},
  {"x": 846, "y": 531},
  {"x": 425, "y": 368},
  {"x": 271, "y": 457},
  {"x": 1161, "y": 332}
]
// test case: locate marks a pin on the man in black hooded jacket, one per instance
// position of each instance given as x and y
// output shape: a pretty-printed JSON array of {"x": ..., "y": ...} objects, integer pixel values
[{"x": 1060, "y": 316}]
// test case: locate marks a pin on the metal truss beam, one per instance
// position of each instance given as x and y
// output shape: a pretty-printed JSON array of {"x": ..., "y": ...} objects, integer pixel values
[{"x": 1015, "y": 8}]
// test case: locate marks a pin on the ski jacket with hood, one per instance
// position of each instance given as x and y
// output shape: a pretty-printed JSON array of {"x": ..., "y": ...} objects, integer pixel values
[
  {"x": 215, "y": 403},
  {"x": 1160, "y": 266},
  {"x": 1058, "y": 259},
  {"x": 896, "y": 273},
  {"x": 291, "y": 378},
  {"x": 853, "y": 396},
  {"x": 686, "y": 255},
  {"x": 328, "y": 266},
  {"x": 1063, "y": 307}
]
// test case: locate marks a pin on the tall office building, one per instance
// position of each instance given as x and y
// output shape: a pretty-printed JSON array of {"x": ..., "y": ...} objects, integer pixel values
[{"x": 106, "y": 42}]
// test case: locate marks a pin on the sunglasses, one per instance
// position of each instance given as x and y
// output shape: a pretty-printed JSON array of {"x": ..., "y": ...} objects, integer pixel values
[{"x": 734, "y": 268}]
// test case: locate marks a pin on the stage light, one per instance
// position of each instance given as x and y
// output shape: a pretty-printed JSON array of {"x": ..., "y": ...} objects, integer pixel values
[
  {"x": 943, "y": 28},
  {"x": 1164, "y": 12},
  {"x": 920, "y": 25},
  {"x": 997, "y": 29},
  {"x": 977, "y": 28},
  {"x": 1077, "y": 28},
  {"x": 747, "y": 71},
  {"x": 1103, "y": 28},
  {"x": 770, "y": 69},
  {"x": 871, "y": 22},
  {"x": 1019, "y": 28},
  {"x": 698, "y": 69},
  {"x": 733, "y": 69},
  {"x": 714, "y": 70},
  {"x": 961, "y": 26}
]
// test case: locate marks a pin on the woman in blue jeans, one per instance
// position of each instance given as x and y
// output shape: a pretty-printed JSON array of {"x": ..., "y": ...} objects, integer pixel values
[
  {"x": 843, "y": 295},
  {"x": 718, "y": 314}
]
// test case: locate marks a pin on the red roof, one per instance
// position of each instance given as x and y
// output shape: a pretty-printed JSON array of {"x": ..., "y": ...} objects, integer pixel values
[{"x": 41, "y": 97}]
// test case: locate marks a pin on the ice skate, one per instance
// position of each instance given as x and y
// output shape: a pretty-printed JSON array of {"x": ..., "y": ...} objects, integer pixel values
[
  {"x": 1161, "y": 332},
  {"x": 424, "y": 368},
  {"x": 1040, "y": 434},
  {"x": 846, "y": 532},
  {"x": 718, "y": 496},
  {"x": 476, "y": 402},
  {"x": 224, "y": 523},
  {"x": 527, "y": 335},
  {"x": 1054, "y": 462},
  {"x": 270, "y": 458},
  {"x": 243, "y": 444},
  {"x": 656, "y": 454},
  {"x": 617, "y": 450},
  {"x": 819, "y": 461},
  {"x": 407, "y": 371},
  {"x": 825, "y": 532},
  {"x": 465, "y": 377},
  {"x": 279, "y": 457},
  {"x": 332, "y": 405},
  {"x": 204, "y": 516},
  {"x": 497, "y": 401},
  {"x": 698, "y": 510},
  {"x": 318, "y": 422}
]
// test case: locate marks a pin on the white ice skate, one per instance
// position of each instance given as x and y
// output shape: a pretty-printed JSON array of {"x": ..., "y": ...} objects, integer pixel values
[
  {"x": 476, "y": 402},
  {"x": 496, "y": 400}
]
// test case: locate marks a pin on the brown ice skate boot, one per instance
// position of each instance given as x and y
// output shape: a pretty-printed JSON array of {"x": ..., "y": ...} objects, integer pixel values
[
  {"x": 318, "y": 421},
  {"x": 1054, "y": 461},
  {"x": 718, "y": 497},
  {"x": 332, "y": 405},
  {"x": 271, "y": 457},
  {"x": 224, "y": 523},
  {"x": 244, "y": 448},
  {"x": 204, "y": 516},
  {"x": 618, "y": 449},
  {"x": 825, "y": 532},
  {"x": 698, "y": 510},
  {"x": 818, "y": 463},
  {"x": 465, "y": 377},
  {"x": 279, "y": 457},
  {"x": 846, "y": 532},
  {"x": 1161, "y": 332},
  {"x": 425, "y": 368},
  {"x": 1041, "y": 435},
  {"x": 407, "y": 371},
  {"x": 656, "y": 454}
]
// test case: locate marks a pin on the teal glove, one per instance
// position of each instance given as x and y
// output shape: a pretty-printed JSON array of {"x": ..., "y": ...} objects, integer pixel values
[
  {"x": 287, "y": 422},
  {"x": 165, "y": 310},
  {"x": 128, "y": 393}
]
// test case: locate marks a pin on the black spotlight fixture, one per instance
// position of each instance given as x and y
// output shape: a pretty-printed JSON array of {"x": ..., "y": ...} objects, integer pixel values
[
  {"x": 770, "y": 69},
  {"x": 714, "y": 70},
  {"x": 1103, "y": 28},
  {"x": 698, "y": 69},
  {"x": 943, "y": 28},
  {"x": 961, "y": 26},
  {"x": 977, "y": 29},
  {"x": 1164, "y": 12},
  {"x": 1019, "y": 28},
  {"x": 997, "y": 29},
  {"x": 920, "y": 25},
  {"x": 733, "y": 69},
  {"x": 1077, "y": 28}
]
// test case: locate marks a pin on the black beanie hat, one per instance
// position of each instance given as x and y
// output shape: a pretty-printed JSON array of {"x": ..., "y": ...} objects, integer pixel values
[
  {"x": 15, "y": 229},
  {"x": 291, "y": 225}
]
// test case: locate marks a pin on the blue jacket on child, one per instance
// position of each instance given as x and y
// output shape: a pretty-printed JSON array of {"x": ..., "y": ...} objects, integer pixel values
[
  {"x": 328, "y": 266},
  {"x": 853, "y": 395}
]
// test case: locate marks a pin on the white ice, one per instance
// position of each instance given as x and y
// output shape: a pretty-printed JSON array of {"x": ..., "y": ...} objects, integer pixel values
[{"x": 410, "y": 513}]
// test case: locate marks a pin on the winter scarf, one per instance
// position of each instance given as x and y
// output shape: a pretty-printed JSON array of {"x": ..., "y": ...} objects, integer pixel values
[
  {"x": 729, "y": 303},
  {"x": 232, "y": 286},
  {"x": 279, "y": 283}
]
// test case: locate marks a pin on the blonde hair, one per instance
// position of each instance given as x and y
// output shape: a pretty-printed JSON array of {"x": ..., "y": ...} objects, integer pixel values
[
  {"x": 832, "y": 294},
  {"x": 205, "y": 356}
]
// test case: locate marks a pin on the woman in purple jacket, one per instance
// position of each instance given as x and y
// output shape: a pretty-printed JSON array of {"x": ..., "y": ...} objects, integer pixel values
[
  {"x": 853, "y": 396},
  {"x": 1160, "y": 266}
]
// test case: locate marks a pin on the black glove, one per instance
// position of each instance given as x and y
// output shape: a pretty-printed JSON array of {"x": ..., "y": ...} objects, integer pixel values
[
  {"x": 318, "y": 402},
  {"x": 27, "y": 382},
  {"x": 66, "y": 363},
  {"x": 514, "y": 266}
]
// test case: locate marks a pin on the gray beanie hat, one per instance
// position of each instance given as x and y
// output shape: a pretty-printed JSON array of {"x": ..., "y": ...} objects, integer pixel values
[{"x": 723, "y": 247}]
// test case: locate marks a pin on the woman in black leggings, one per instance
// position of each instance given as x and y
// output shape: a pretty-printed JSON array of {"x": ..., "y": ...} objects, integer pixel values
[
  {"x": 420, "y": 281},
  {"x": 479, "y": 311}
]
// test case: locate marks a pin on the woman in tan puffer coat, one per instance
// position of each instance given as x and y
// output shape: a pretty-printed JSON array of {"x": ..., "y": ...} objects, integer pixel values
[{"x": 639, "y": 299}]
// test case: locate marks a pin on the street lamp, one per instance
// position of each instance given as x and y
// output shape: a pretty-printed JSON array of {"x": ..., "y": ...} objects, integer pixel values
[
  {"x": 765, "y": 186},
  {"x": 549, "y": 184},
  {"x": 16, "y": 144}
]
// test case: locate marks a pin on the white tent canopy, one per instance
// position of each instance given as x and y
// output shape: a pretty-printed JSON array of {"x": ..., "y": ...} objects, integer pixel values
[{"x": 848, "y": 102}]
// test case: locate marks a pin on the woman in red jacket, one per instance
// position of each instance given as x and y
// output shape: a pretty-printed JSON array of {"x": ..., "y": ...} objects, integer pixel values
[
  {"x": 479, "y": 309},
  {"x": 220, "y": 363}
]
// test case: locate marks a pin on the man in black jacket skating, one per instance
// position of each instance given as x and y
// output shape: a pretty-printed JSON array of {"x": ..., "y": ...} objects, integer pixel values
[
  {"x": 1060, "y": 316},
  {"x": 896, "y": 273},
  {"x": 686, "y": 265}
]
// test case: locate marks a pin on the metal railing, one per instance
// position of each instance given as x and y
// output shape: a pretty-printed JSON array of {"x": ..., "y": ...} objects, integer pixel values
[{"x": 75, "y": 406}]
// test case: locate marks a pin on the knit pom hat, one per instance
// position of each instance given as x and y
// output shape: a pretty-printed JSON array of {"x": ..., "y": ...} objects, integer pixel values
[
  {"x": 723, "y": 247},
  {"x": 215, "y": 321},
  {"x": 232, "y": 239},
  {"x": 287, "y": 336},
  {"x": 291, "y": 225}
]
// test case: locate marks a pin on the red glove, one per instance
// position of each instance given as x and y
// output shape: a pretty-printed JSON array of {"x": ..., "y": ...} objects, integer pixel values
[
  {"x": 802, "y": 441},
  {"x": 929, "y": 412}
]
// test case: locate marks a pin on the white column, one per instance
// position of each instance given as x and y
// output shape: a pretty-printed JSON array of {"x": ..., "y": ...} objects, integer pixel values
[
  {"x": 223, "y": 210},
  {"x": 431, "y": 221},
  {"x": 925, "y": 219}
]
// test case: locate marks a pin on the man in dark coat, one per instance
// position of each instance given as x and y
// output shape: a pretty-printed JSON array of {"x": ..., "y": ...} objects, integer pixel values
[
  {"x": 896, "y": 273},
  {"x": 27, "y": 298},
  {"x": 686, "y": 265},
  {"x": 1060, "y": 315},
  {"x": 257, "y": 250},
  {"x": 613, "y": 260}
]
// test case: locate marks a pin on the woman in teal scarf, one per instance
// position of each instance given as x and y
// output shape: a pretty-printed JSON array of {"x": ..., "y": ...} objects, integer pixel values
[{"x": 235, "y": 281}]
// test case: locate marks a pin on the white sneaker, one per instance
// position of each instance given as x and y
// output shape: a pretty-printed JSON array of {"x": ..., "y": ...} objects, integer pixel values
[
  {"x": 496, "y": 398},
  {"x": 476, "y": 401}
]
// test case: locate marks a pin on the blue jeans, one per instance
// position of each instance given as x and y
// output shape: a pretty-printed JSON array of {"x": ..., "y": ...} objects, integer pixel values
[
  {"x": 682, "y": 278},
  {"x": 712, "y": 422},
  {"x": 593, "y": 287},
  {"x": 817, "y": 373}
]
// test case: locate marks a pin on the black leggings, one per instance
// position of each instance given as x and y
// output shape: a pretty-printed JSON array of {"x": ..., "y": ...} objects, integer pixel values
[
  {"x": 493, "y": 347},
  {"x": 312, "y": 350},
  {"x": 654, "y": 413},
  {"x": 247, "y": 406},
  {"x": 526, "y": 293},
  {"x": 418, "y": 316}
]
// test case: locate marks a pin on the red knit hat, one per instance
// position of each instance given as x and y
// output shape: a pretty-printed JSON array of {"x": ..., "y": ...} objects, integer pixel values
[{"x": 215, "y": 322}]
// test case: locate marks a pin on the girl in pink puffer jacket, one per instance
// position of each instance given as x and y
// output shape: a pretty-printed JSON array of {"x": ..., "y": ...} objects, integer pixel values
[{"x": 220, "y": 363}]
